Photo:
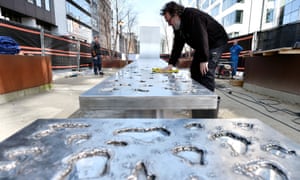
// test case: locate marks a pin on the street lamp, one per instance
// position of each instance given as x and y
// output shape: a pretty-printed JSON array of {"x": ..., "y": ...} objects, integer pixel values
[
  {"x": 121, "y": 43},
  {"x": 120, "y": 23}
]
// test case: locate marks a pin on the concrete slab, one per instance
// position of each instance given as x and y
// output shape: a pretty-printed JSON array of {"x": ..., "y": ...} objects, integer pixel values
[
  {"x": 63, "y": 102},
  {"x": 136, "y": 87}
]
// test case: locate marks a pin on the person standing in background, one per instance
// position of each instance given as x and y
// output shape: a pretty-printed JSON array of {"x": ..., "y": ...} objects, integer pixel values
[
  {"x": 234, "y": 56},
  {"x": 96, "y": 55},
  {"x": 200, "y": 31}
]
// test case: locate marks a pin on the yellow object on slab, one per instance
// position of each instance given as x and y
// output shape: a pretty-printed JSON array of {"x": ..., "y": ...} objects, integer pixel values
[{"x": 160, "y": 70}]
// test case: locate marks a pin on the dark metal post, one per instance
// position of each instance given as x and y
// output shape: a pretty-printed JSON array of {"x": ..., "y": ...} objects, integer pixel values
[
  {"x": 78, "y": 55},
  {"x": 42, "y": 37}
]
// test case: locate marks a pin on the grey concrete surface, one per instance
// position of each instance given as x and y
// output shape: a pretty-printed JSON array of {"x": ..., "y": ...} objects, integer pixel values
[
  {"x": 62, "y": 101},
  {"x": 59, "y": 102},
  {"x": 236, "y": 102}
]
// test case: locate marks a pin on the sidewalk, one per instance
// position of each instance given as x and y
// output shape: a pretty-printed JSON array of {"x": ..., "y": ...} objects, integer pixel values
[
  {"x": 62, "y": 101},
  {"x": 236, "y": 102}
]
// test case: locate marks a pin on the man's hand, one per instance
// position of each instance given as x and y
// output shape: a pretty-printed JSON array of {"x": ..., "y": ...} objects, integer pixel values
[
  {"x": 168, "y": 68},
  {"x": 203, "y": 68}
]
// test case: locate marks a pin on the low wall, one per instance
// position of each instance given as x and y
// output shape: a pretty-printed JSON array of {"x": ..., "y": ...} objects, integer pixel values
[
  {"x": 114, "y": 63},
  {"x": 278, "y": 73},
  {"x": 24, "y": 72}
]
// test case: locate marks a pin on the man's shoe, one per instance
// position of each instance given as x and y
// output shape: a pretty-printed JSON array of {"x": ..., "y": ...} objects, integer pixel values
[{"x": 101, "y": 73}]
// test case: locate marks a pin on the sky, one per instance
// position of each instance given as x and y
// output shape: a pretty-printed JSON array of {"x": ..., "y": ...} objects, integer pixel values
[{"x": 148, "y": 12}]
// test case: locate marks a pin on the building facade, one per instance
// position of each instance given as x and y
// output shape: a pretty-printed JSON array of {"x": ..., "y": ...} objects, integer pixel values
[
  {"x": 241, "y": 17},
  {"x": 78, "y": 19},
  {"x": 291, "y": 11},
  {"x": 34, "y": 13}
]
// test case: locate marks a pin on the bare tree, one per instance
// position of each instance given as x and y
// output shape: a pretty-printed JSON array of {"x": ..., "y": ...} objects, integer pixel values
[
  {"x": 131, "y": 22},
  {"x": 126, "y": 18},
  {"x": 106, "y": 18},
  {"x": 119, "y": 8}
]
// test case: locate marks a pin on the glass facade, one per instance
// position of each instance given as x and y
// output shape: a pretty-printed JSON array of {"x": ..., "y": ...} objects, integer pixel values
[
  {"x": 216, "y": 10},
  {"x": 84, "y": 5},
  {"x": 45, "y": 4},
  {"x": 243, "y": 17},
  {"x": 205, "y": 4},
  {"x": 77, "y": 14},
  {"x": 270, "y": 15},
  {"x": 291, "y": 11},
  {"x": 228, "y": 3},
  {"x": 94, "y": 18},
  {"x": 79, "y": 18},
  {"x": 38, "y": 3},
  {"x": 235, "y": 17},
  {"x": 233, "y": 34},
  {"x": 76, "y": 28}
]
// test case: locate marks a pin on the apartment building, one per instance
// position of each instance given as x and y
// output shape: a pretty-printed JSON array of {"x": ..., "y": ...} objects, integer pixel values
[
  {"x": 79, "y": 19},
  {"x": 241, "y": 17},
  {"x": 33, "y": 13},
  {"x": 291, "y": 11}
]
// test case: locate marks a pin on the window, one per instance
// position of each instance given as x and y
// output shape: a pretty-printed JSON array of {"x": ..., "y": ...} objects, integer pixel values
[
  {"x": 38, "y": 3},
  {"x": 235, "y": 17},
  {"x": 47, "y": 5},
  {"x": 77, "y": 14},
  {"x": 205, "y": 4},
  {"x": 46, "y": 26},
  {"x": 239, "y": 17},
  {"x": 270, "y": 15},
  {"x": 228, "y": 3},
  {"x": 291, "y": 11},
  {"x": 94, "y": 22},
  {"x": 233, "y": 34},
  {"x": 215, "y": 11},
  {"x": 30, "y": 1},
  {"x": 84, "y": 4},
  {"x": 12, "y": 15}
]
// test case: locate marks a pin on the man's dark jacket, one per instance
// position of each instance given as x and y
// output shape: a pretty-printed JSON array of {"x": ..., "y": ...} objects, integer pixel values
[
  {"x": 200, "y": 31},
  {"x": 95, "y": 48}
]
